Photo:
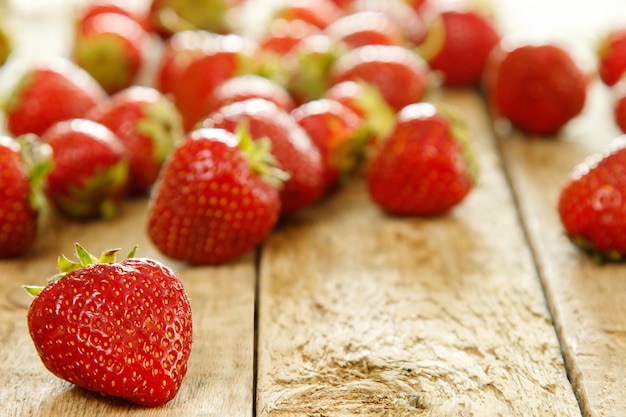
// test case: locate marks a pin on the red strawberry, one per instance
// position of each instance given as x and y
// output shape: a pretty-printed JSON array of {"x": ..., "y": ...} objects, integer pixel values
[
  {"x": 319, "y": 13},
  {"x": 611, "y": 53},
  {"x": 122, "y": 7},
  {"x": 619, "y": 104},
  {"x": 458, "y": 44},
  {"x": 591, "y": 205},
  {"x": 338, "y": 132},
  {"x": 366, "y": 28},
  {"x": 122, "y": 329},
  {"x": 219, "y": 58},
  {"x": 168, "y": 17},
  {"x": 537, "y": 87},
  {"x": 48, "y": 93},
  {"x": 399, "y": 74},
  {"x": 217, "y": 198},
  {"x": 90, "y": 171},
  {"x": 148, "y": 126},
  {"x": 283, "y": 35},
  {"x": 110, "y": 47},
  {"x": 20, "y": 178},
  {"x": 425, "y": 167},
  {"x": 248, "y": 86},
  {"x": 295, "y": 152}
]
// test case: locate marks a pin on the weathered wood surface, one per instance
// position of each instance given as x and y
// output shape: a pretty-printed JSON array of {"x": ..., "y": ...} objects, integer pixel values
[{"x": 487, "y": 311}]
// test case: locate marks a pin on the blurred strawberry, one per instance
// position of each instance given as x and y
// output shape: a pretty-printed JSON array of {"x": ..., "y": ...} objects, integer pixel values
[
  {"x": 537, "y": 87},
  {"x": 50, "y": 92},
  {"x": 110, "y": 47},
  {"x": 217, "y": 197},
  {"x": 95, "y": 7},
  {"x": 148, "y": 125},
  {"x": 319, "y": 13},
  {"x": 458, "y": 44},
  {"x": 23, "y": 167},
  {"x": 295, "y": 152},
  {"x": 619, "y": 104},
  {"x": 339, "y": 133},
  {"x": 168, "y": 17},
  {"x": 282, "y": 35},
  {"x": 398, "y": 73},
  {"x": 243, "y": 87},
  {"x": 90, "y": 169},
  {"x": 195, "y": 72},
  {"x": 611, "y": 54},
  {"x": 366, "y": 28},
  {"x": 426, "y": 165},
  {"x": 405, "y": 17}
]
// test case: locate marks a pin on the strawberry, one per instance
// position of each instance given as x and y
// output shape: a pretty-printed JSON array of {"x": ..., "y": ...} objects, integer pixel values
[
  {"x": 366, "y": 27},
  {"x": 248, "y": 86},
  {"x": 216, "y": 199},
  {"x": 295, "y": 152},
  {"x": 591, "y": 204},
  {"x": 122, "y": 7},
  {"x": 168, "y": 17},
  {"x": 283, "y": 35},
  {"x": 110, "y": 47},
  {"x": 148, "y": 125},
  {"x": 619, "y": 104},
  {"x": 203, "y": 68},
  {"x": 458, "y": 44},
  {"x": 90, "y": 171},
  {"x": 50, "y": 92},
  {"x": 425, "y": 167},
  {"x": 611, "y": 54},
  {"x": 537, "y": 87},
  {"x": 122, "y": 329},
  {"x": 338, "y": 132},
  {"x": 319, "y": 13},
  {"x": 21, "y": 175},
  {"x": 398, "y": 73}
]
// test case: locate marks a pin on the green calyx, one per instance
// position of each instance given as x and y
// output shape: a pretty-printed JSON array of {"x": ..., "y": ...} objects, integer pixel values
[
  {"x": 161, "y": 123},
  {"x": 105, "y": 60},
  {"x": 85, "y": 258},
  {"x": 37, "y": 157},
  {"x": 461, "y": 133},
  {"x": 599, "y": 257},
  {"x": 259, "y": 156}
]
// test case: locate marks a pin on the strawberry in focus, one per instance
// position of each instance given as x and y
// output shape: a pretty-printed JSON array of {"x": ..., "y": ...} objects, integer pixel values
[
  {"x": 217, "y": 197},
  {"x": 122, "y": 329},
  {"x": 90, "y": 169},
  {"x": 291, "y": 146},
  {"x": 48, "y": 93},
  {"x": 537, "y": 87},
  {"x": 426, "y": 166},
  {"x": 591, "y": 204},
  {"x": 462, "y": 40},
  {"x": 147, "y": 124},
  {"x": 23, "y": 166}
]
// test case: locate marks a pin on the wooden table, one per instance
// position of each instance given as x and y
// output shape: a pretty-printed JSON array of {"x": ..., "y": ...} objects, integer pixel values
[{"x": 487, "y": 311}]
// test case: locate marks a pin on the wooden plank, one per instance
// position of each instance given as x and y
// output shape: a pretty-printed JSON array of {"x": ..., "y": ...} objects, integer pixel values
[
  {"x": 220, "y": 377},
  {"x": 362, "y": 312},
  {"x": 587, "y": 301}
]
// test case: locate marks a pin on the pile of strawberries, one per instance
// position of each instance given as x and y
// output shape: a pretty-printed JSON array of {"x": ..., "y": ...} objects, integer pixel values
[{"x": 230, "y": 134}]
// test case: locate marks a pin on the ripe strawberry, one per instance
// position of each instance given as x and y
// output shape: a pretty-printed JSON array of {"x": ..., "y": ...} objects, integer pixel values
[
  {"x": 619, "y": 104},
  {"x": 461, "y": 40},
  {"x": 90, "y": 171},
  {"x": 283, "y": 35},
  {"x": 366, "y": 27},
  {"x": 295, "y": 152},
  {"x": 122, "y": 7},
  {"x": 591, "y": 205},
  {"x": 248, "y": 86},
  {"x": 217, "y": 197},
  {"x": 200, "y": 70},
  {"x": 426, "y": 166},
  {"x": 122, "y": 329},
  {"x": 339, "y": 133},
  {"x": 611, "y": 53},
  {"x": 398, "y": 73},
  {"x": 148, "y": 126},
  {"x": 537, "y": 87},
  {"x": 48, "y": 93},
  {"x": 168, "y": 17},
  {"x": 21, "y": 175},
  {"x": 319, "y": 13},
  {"x": 110, "y": 47}
]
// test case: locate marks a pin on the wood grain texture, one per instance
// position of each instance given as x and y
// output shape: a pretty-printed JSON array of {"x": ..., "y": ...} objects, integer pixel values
[
  {"x": 362, "y": 312},
  {"x": 219, "y": 381}
]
